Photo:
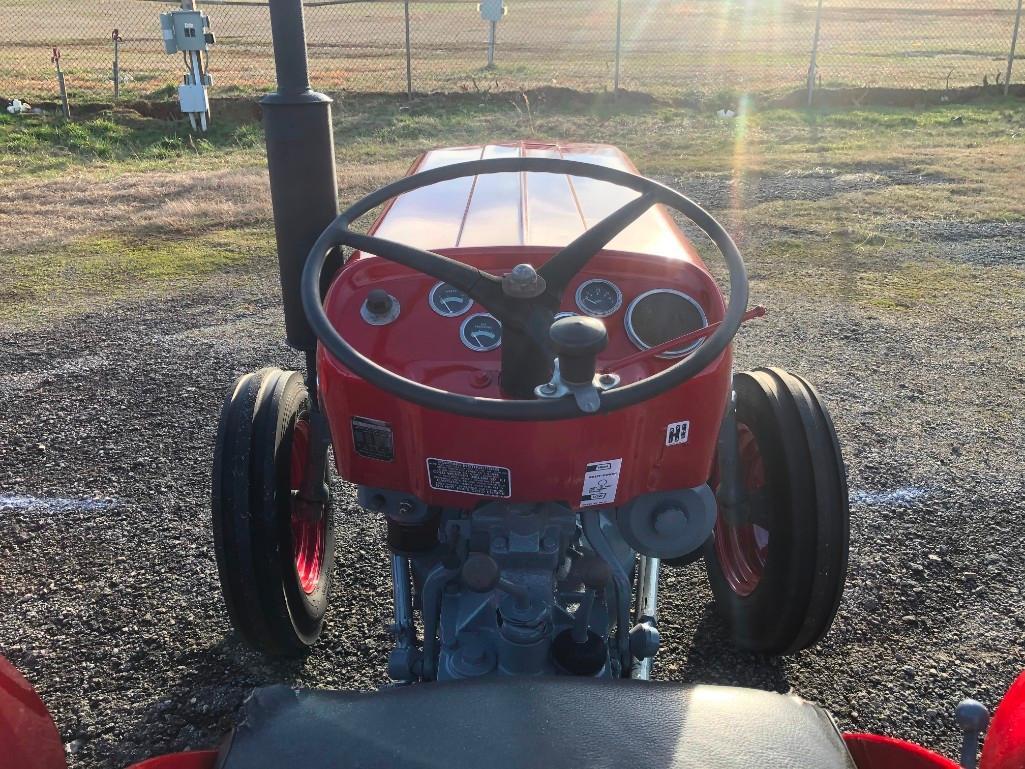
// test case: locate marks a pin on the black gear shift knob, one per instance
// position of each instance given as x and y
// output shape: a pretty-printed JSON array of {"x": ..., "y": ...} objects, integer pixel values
[{"x": 577, "y": 341}]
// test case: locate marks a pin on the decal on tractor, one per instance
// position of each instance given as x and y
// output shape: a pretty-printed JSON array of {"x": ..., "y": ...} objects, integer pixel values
[
  {"x": 469, "y": 478},
  {"x": 373, "y": 439},
  {"x": 600, "y": 482},
  {"x": 677, "y": 433}
]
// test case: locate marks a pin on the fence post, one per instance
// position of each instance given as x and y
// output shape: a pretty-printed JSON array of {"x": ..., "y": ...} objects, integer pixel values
[
  {"x": 409, "y": 60},
  {"x": 814, "y": 54},
  {"x": 619, "y": 43},
  {"x": 1010, "y": 56}
]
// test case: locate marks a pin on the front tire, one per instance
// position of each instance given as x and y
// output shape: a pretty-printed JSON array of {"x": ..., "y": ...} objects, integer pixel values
[
  {"x": 778, "y": 575},
  {"x": 274, "y": 564}
]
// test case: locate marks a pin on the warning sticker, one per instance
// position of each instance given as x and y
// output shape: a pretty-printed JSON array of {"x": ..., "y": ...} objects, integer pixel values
[
  {"x": 469, "y": 478},
  {"x": 373, "y": 439},
  {"x": 600, "y": 482},
  {"x": 677, "y": 433}
]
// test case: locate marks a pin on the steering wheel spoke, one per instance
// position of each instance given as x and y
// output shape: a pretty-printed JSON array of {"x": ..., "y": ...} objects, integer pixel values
[
  {"x": 478, "y": 284},
  {"x": 572, "y": 258}
]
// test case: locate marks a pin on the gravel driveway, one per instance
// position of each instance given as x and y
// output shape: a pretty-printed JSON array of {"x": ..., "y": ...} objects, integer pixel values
[{"x": 109, "y": 586}]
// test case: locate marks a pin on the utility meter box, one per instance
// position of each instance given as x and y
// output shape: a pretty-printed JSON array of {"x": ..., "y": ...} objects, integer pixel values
[
  {"x": 491, "y": 10},
  {"x": 186, "y": 31}
]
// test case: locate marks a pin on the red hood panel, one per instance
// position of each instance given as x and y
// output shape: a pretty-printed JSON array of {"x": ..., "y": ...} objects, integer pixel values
[{"x": 525, "y": 209}]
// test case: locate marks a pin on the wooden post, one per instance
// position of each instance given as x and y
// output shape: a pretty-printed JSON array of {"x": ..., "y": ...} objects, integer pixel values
[{"x": 56, "y": 59}]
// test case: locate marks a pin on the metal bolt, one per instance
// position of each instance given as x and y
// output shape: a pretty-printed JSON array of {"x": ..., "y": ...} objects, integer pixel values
[
  {"x": 607, "y": 379},
  {"x": 407, "y": 507},
  {"x": 548, "y": 389}
]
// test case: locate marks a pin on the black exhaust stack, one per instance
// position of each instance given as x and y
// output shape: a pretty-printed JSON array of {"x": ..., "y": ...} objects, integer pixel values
[{"x": 301, "y": 162}]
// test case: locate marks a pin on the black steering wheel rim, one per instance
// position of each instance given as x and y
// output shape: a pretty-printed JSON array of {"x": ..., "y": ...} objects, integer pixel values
[{"x": 337, "y": 234}]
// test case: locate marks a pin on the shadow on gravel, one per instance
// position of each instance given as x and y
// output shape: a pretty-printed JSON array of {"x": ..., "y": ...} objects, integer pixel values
[
  {"x": 198, "y": 709},
  {"x": 710, "y": 659}
]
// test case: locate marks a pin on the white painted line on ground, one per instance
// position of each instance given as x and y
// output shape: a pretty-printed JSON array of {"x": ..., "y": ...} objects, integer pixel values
[
  {"x": 901, "y": 496},
  {"x": 26, "y": 502}
]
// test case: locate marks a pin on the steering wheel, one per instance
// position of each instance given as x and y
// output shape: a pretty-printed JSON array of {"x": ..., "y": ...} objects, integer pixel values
[{"x": 522, "y": 311}]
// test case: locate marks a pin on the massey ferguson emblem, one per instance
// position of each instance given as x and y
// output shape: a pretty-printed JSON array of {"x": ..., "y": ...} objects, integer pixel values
[{"x": 677, "y": 432}]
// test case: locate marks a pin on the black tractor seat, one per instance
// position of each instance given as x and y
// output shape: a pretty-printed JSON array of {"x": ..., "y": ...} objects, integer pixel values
[{"x": 534, "y": 723}]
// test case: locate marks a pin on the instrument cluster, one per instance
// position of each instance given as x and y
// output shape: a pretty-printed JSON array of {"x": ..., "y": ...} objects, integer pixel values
[{"x": 652, "y": 317}]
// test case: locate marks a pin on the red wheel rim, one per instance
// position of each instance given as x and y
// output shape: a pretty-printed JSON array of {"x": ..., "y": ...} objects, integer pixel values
[
  {"x": 742, "y": 550},
  {"x": 307, "y": 536}
]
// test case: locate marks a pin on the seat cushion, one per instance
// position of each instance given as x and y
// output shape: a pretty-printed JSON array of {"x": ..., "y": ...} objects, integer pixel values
[{"x": 534, "y": 723}]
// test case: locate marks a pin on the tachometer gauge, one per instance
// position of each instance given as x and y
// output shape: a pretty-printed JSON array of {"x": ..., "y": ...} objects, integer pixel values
[
  {"x": 662, "y": 314},
  {"x": 448, "y": 301},
  {"x": 481, "y": 332},
  {"x": 598, "y": 297}
]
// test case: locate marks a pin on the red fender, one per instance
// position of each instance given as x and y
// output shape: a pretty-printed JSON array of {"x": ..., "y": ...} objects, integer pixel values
[
  {"x": 28, "y": 738},
  {"x": 1005, "y": 740},
  {"x": 196, "y": 759},
  {"x": 872, "y": 751}
]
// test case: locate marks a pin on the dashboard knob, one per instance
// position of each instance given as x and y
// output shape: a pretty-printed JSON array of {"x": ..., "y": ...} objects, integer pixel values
[
  {"x": 577, "y": 341},
  {"x": 380, "y": 308},
  {"x": 523, "y": 282}
]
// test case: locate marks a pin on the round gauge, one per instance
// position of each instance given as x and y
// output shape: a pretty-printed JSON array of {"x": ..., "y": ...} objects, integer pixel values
[
  {"x": 598, "y": 297},
  {"x": 481, "y": 332},
  {"x": 662, "y": 314},
  {"x": 448, "y": 301}
]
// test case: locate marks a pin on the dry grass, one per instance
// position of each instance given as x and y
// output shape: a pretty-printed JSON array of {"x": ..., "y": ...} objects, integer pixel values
[
  {"x": 49, "y": 212},
  {"x": 132, "y": 207}
]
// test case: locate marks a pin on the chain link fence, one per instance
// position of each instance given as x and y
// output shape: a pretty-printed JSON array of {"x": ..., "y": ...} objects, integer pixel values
[{"x": 669, "y": 48}]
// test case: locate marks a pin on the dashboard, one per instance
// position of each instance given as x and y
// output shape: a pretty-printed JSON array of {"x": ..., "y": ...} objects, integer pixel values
[{"x": 433, "y": 333}]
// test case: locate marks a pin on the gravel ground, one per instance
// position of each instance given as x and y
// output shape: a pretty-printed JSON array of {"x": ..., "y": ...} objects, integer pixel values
[{"x": 110, "y": 586}]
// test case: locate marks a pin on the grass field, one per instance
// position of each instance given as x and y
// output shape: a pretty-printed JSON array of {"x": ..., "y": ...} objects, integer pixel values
[
  {"x": 110, "y": 206},
  {"x": 669, "y": 47},
  {"x": 139, "y": 279}
]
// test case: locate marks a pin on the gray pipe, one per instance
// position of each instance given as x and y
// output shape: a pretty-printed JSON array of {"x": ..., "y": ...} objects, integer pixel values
[{"x": 301, "y": 164}]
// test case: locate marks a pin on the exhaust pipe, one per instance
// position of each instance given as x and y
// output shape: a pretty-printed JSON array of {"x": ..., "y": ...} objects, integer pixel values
[{"x": 301, "y": 163}]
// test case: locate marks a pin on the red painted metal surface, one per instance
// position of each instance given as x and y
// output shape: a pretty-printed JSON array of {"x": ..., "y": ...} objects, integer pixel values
[
  {"x": 872, "y": 751},
  {"x": 28, "y": 738},
  {"x": 196, "y": 759},
  {"x": 307, "y": 536},
  {"x": 1005, "y": 739},
  {"x": 495, "y": 223},
  {"x": 743, "y": 550}
]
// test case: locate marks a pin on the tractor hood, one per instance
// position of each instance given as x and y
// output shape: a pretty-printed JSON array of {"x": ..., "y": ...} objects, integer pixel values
[{"x": 524, "y": 209}]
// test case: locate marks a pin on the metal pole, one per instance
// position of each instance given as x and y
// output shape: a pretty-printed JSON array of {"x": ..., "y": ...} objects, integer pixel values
[
  {"x": 117, "y": 64},
  {"x": 813, "y": 66},
  {"x": 409, "y": 59},
  {"x": 619, "y": 43},
  {"x": 491, "y": 43},
  {"x": 1014, "y": 44}
]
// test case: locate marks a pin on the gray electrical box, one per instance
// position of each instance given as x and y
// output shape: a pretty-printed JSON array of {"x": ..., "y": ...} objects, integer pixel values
[
  {"x": 491, "y": 10},
  {"x": 187, "y": 31}
]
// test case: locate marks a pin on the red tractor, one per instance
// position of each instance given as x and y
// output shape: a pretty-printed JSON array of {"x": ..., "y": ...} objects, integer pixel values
[{"x": 537, "y": 438}]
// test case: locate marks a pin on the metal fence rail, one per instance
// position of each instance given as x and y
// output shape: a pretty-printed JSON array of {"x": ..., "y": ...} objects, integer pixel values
[{"x": 664, "y": 47}]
